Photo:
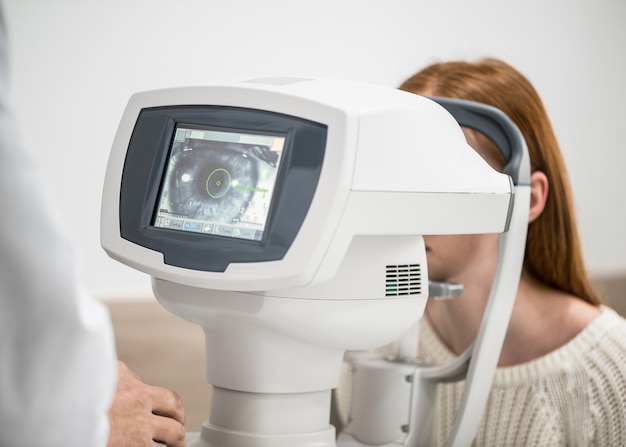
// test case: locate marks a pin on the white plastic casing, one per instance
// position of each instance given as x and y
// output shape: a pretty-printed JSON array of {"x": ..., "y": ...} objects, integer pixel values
[
  {"x": 395, "y": 164},
  {"x": 396, "y": 167}
]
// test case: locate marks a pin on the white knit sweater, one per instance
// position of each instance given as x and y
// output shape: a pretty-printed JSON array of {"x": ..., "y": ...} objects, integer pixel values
[{"x": 573, "y": 396}]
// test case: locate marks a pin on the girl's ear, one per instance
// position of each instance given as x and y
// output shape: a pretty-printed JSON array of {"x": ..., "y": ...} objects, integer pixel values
[{"x": 539, "y": 187}]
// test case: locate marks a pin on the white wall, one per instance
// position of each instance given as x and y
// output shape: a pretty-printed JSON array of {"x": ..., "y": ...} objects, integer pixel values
[{"x": 76, "y": 62}]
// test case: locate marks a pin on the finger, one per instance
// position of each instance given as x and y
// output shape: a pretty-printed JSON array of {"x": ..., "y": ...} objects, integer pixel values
[
  {"x": 125, "y": 370},
  {"x": 169, "y": 432},
  {"x": 168, "y": 404}
]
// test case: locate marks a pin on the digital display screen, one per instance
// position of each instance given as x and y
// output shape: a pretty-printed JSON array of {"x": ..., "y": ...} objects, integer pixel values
[{"x": 219, "y": 182}]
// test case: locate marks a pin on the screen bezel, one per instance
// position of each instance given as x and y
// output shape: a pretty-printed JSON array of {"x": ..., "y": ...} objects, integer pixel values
[{"x": 145, "y": 166}]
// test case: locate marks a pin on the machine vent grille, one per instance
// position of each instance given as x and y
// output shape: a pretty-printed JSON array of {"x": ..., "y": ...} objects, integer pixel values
[{"x": 404, "y": 279}]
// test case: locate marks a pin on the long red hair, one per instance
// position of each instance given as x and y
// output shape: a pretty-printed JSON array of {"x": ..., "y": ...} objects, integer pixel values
[{"x": 553, "y": 251}]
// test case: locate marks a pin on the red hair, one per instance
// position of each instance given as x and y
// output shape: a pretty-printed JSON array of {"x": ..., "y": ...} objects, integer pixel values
[{"x": 553, "y": 251}]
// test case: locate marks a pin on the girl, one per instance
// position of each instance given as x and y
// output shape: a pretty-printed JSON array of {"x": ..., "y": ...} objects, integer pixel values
[{"x": 561, "y": 377}]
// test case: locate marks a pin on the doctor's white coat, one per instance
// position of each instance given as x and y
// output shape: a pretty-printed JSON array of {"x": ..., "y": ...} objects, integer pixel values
[{"x": 57, "y": 359}]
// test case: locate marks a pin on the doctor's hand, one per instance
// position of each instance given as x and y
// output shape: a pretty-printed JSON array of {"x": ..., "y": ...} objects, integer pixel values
[{"x": 141, "y": 414}]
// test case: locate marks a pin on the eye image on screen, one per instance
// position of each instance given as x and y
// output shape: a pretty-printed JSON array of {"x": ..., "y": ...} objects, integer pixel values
[{"x": 219, "y": 182}]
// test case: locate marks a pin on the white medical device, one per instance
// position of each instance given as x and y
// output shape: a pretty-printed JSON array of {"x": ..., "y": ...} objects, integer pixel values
[{"x": 285, "y": 216}]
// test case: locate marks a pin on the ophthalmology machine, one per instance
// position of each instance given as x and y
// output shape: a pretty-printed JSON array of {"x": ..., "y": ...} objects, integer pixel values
[{"x": 286, "y": 217}]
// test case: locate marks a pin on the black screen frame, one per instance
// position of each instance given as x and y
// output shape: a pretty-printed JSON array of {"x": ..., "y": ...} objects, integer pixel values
[{"x": 145, "y": 166}]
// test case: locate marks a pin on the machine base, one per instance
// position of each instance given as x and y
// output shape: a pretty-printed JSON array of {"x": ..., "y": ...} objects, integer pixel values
[{"x": 212, "y": 436}]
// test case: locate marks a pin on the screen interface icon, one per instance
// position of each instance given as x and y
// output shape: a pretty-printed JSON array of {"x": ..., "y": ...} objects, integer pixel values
[{"x": 219, "y": 182}]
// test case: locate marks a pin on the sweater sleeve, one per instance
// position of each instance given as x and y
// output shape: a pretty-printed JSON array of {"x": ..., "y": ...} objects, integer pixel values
[{"x": 57, "y": 359}]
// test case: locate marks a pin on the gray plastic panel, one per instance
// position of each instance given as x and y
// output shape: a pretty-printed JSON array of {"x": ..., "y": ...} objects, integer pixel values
[{"x": 496, "y": 126}]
